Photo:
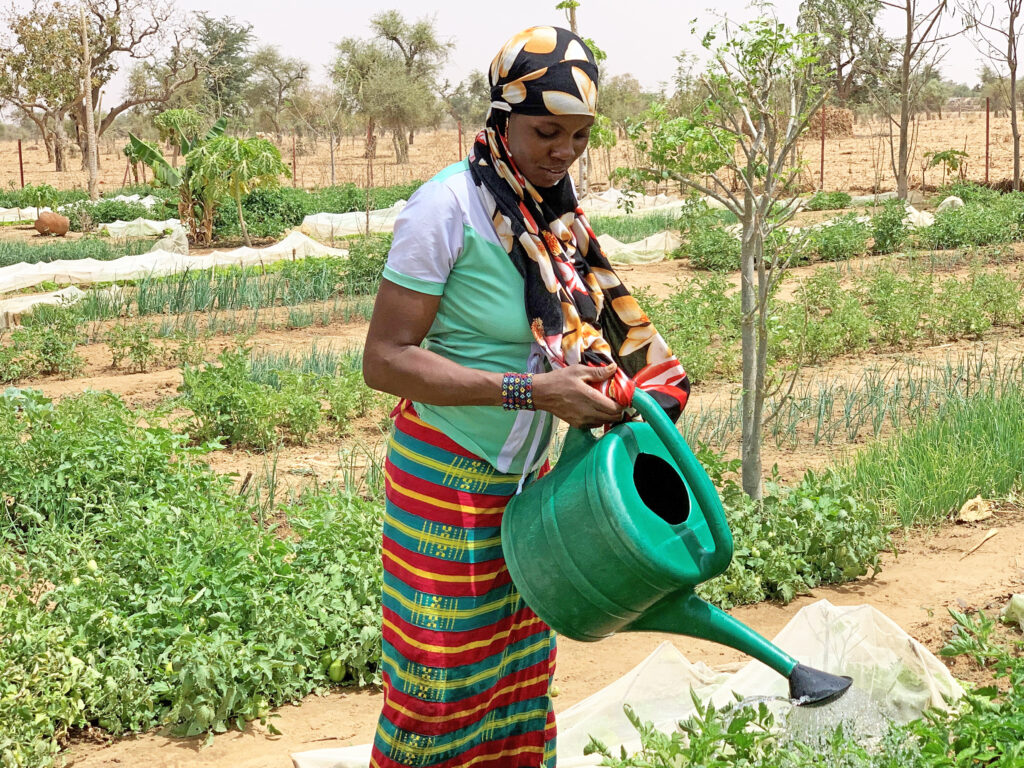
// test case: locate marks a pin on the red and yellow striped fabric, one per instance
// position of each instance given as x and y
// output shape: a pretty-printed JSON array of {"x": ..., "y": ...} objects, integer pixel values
[{"x": 467, "y": 667}]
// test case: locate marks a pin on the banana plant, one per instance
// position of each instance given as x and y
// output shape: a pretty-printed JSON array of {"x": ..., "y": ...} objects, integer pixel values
[{"x": 196, "y": 197}]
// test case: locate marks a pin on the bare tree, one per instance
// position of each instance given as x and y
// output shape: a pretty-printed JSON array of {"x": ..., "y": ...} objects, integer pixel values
[
  {"x": 139, "y": 30},
  {"x": 899, "y": 73},
  {"x": 995, "y": 30}
]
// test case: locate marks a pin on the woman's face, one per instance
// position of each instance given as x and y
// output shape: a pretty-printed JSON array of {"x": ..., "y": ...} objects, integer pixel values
[{"x": 544, "y": 146}]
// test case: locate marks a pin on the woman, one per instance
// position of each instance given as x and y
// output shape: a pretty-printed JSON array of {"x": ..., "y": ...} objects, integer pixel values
[{"x": 467, "y": 666}]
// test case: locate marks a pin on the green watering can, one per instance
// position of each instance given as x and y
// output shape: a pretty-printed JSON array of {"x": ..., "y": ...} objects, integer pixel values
[{"x": 619, "y": 534}]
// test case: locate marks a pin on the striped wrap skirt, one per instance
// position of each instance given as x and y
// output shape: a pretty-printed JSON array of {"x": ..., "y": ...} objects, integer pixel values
[{"x": 467, "y": 667}]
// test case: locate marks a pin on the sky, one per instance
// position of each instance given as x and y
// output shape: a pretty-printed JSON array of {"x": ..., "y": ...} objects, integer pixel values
[{"x": 641, "y": 37}]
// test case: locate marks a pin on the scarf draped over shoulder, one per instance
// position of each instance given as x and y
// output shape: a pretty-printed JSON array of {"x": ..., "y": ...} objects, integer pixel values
[{"x": 579, "y": 310}]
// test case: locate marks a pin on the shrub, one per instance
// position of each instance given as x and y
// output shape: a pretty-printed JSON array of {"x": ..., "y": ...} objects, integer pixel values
[
  {"x": 85, "y": 215},
  {"x": 162, "y": 602},
  {"x": 963, "y": 310},
  {"x": 897, "y": 305},
  {"x": 49, "y": 347},
  {"x": 840, "y": 239},
  {"x": 970, "y": 192},
  {"x": 226, "y": 404},
  {"x": 135, "y": 342},
  {"x": 889, "y": 227},
  {"x": 40, "y": 195},
  {"x": 712, "y": 247},
  {"x": 361, "y": 271},
  {"x": 700, "y": 322},
  {"x": 828, "y": 201},
  {"x": 796, "y": 538},
  {"x": 825, "y": 320},
  {"x": 999, "y": 295},
  {"x": 974, "y": 224}
]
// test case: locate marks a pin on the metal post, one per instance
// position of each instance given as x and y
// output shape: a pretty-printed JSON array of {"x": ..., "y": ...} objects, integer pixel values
[
  {"x": 21, "y": 165},
  {"x": 821, "y": 171},
  {"x": 988, "y": 109}
]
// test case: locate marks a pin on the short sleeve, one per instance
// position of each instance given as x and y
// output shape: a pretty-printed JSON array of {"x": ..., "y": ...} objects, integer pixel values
[{"x": 428, "y": 239}]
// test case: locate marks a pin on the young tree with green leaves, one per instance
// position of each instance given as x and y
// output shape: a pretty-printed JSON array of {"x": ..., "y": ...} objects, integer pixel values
[
  {"x": 762, "y": 85},
  {"x": 236, "y": 166}
]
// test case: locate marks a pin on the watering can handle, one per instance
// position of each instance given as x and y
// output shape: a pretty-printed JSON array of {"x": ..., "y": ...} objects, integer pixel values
[{"x": 696, "y": 477}]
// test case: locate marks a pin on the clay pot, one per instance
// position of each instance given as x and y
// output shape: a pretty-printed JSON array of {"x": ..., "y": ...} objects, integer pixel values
[{"x": 50, "y": 223}]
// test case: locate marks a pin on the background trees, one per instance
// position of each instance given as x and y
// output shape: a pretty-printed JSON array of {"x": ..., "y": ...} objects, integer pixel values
[{"x": 391, "y": 79}]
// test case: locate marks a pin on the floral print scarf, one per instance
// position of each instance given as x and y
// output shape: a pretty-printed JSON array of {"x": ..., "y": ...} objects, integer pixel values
[{"x": 579, "y": 310}]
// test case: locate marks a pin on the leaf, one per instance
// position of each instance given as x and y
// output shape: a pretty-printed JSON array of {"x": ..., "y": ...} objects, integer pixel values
[{"x": 150, "y": 155}]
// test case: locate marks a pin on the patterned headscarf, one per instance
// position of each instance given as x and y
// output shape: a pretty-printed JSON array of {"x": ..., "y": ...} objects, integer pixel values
[{"x": 579, "y": 310}]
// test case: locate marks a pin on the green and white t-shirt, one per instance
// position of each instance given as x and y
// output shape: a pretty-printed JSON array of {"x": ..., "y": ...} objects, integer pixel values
[{"x": 445, "y": 245}]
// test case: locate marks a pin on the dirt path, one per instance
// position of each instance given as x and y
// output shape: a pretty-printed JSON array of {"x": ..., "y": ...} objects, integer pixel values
[{"x": 914, "y": 590}]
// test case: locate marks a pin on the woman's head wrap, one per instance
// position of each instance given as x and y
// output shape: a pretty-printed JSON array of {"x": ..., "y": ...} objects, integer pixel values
[
  {"x": 544, "y": 71},
  {"x": 579, "y": 311}
]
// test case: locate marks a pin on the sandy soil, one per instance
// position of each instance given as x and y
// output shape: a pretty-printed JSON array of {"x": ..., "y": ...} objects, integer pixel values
[
  {"x": 916, "y": 589},
  {"x": 855, "y": 163},
  {"x": 929, "y": 576}
]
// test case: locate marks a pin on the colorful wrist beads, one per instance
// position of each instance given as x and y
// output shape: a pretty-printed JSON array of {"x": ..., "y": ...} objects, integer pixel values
[{"x": 517, "y": 391}]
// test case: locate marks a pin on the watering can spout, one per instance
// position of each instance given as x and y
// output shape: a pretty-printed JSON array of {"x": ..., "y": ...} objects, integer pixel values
[{"x": 683, "y": 613}]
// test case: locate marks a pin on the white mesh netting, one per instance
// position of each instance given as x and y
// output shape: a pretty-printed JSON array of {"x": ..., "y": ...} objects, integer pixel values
[{"x": 887, "y": 665}]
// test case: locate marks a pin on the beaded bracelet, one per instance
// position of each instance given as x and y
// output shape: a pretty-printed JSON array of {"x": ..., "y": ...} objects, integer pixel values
[{"x": 517, "y": 392}]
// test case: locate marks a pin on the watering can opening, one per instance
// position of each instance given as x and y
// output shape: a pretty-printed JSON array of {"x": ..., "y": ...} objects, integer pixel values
[{"x": 661, "y": 488}]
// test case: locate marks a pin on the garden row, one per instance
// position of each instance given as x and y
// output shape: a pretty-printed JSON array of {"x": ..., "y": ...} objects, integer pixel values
[
  {"x": 711, "y": 242},
  {"x": 136, "y": 590},
  {"x": 268, "y": 211},
  {"x": 985, "y": 728},
  {"x": 886, "y": 310}
]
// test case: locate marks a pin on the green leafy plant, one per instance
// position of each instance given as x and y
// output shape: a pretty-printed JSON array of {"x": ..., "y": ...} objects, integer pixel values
[
  {"x": 49, "y": 348},
  {"x": 135, "y": 342},
  {"x": 163, "y": 603},
  {"x": 951, "y": 160},
  {"x": 235, "y": 166},
  {"x": 840, "y": 239},
  {"x": 197, "y": 199},
  {"x": 713, "y": 248},
  {"x": 828, "y": 201},
  {"x": 889, "y": 227}
]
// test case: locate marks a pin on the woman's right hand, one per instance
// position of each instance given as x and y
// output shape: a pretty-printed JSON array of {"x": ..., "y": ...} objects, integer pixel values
[{"x": 567, "y": 393}]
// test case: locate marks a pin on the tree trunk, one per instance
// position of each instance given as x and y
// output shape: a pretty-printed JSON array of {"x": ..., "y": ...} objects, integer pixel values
[
  {"x": 401, "y": 147},
  {"x": 60, "y": 145},
  {"x": 92, "y": 150},
  {"x": 241, "y": 222},
  {"x": 751, "y": 423},
  {"x": 903, "y": 162},
  {"x": 371, "y": 141}
]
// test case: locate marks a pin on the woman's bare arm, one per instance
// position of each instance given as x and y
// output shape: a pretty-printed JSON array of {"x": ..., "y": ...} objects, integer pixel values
[{"x": 394, "y": 362}]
